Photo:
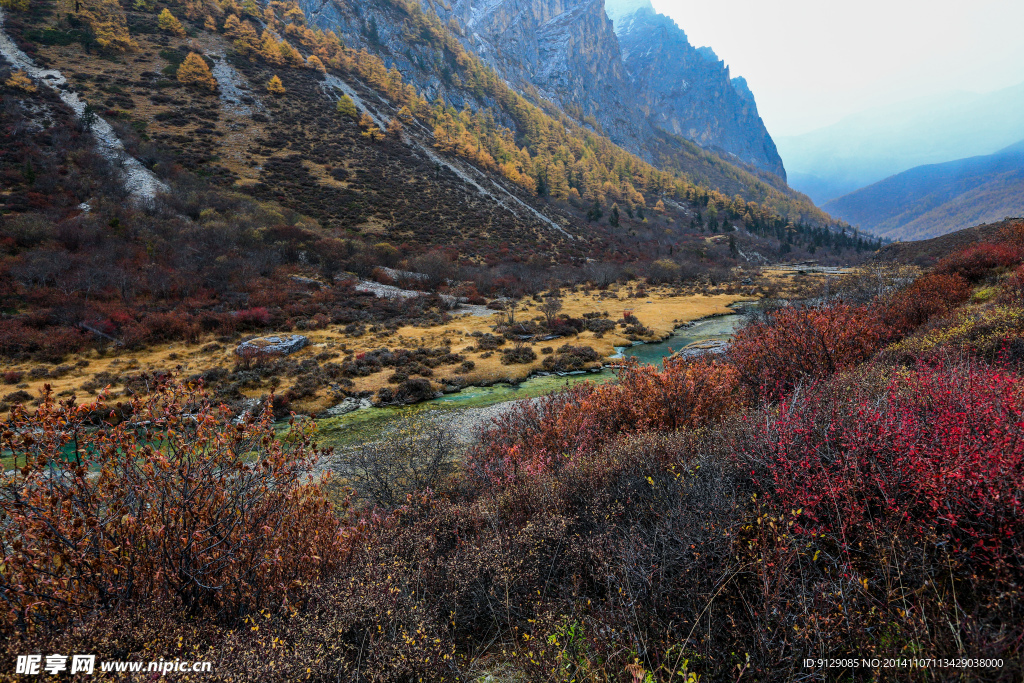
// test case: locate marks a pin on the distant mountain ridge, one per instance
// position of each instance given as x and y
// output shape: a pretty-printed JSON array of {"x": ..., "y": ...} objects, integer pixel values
[
  {"x": 688, "y": 91},
  {"x": 870, "y": 146},
  {"x": 936, "y": 199}
]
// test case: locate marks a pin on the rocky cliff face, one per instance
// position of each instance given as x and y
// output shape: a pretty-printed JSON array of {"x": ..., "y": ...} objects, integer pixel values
[
  {"x": 566, "y": 49},
  {"x": 687, "y": 90},
  {"x": 626, "y": 79}
]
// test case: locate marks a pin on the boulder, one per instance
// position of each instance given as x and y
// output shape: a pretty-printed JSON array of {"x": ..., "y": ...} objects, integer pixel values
[
  {"x": 273, "y": 346},
  {"x": 350, "y": 404}
]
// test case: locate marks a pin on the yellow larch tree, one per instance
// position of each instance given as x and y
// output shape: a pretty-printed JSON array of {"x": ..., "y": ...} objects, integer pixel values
[
  {"x": 21, "y": 81},
  {"x": 195, "y": 71},
  {"x": 168, "y": 22},
  {"x": 275, "y": 86}
]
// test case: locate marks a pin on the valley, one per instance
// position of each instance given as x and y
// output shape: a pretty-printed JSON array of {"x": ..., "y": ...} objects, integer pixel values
[{"x": 488, "y": 340}]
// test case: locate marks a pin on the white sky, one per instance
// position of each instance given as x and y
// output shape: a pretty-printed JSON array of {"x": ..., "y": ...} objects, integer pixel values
[{"x": 812, "y": 62}]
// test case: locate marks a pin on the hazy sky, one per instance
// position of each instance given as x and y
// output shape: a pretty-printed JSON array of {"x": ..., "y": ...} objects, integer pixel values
[{"x": 812, "y": 62}]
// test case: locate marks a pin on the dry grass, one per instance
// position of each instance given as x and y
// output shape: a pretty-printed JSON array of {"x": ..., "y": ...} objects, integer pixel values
[{"x": 659, "y": 310}]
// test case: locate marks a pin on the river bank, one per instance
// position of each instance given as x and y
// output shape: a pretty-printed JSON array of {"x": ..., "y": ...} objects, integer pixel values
[{"x": 475, "y": 406}]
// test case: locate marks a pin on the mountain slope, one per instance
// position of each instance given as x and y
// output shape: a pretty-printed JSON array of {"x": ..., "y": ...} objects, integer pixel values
[
  {"x": 875, "y": 144},
  {"x": 567, "y": 52},
  {"x": 430, "y": 53},
  {"x": 481, "y": 172},
  {"x": 688, "y": 91},
  {"x": 932, "y": 200}
]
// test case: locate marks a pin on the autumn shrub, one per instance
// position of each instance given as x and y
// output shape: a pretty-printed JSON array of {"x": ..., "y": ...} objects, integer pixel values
[
  {"x": 993, "y": 333},
  {"x": 539, "y": 436},
  {"x": 797, "y": 343},
  {"x": 911, "y": 494},
  {"x": 929, "y": 296},
  {"x": 160, "y": 500},
  {"x": 251, "y": 319},
  {"x": 406, "y": 458},
  {"x": 518, "y": 354},
  {"x": 978, "y": 261}
]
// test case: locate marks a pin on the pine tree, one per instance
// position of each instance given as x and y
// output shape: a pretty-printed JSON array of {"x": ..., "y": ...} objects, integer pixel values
[
  {"x": 275, "y": 86},
  {"x": 168, "y": 22},
  {"x": 195, "y": 71},
  {"x": 231, "y": 25},
  {"x": 395, "y": 128},
  {"x": 269, "y": 49},
  {"x": 613, "y": 217},
  {"x": 109, "y": 24}
]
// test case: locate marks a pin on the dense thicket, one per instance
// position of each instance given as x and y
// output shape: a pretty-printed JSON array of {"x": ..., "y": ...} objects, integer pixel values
[{"x": 851, "y": 490}]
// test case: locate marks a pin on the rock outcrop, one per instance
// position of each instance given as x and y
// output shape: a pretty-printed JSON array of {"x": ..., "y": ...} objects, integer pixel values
[
  {"x": 687, "y": 90},
  {"x": 623, "y": 70},
  {"x": 272, "y": 346}
]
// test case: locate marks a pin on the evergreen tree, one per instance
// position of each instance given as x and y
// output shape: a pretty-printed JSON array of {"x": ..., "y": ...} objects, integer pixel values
[{"x": 346, "y": 107}]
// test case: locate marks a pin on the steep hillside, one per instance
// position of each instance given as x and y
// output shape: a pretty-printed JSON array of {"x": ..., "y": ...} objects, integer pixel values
[
  {"x": 932, "y": 200},
  {"x": 687, "y": 90},
  {"x": 564, "y": 54},
  {"x": 928, "y": 252},
  {"x": 431, "y": 53}
]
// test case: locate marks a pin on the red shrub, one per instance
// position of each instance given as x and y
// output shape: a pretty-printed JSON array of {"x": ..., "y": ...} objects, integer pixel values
[
  {"x": 978, "y": 261},
  {"x": 939, "y": 458},
  {"x": 540, "y": 436},
  {"x": 1012, "y": 289},
  {"x": 929, "y": 296},
  {"x": 252, "y": 318},
  {"x": 799, "y": 343}
]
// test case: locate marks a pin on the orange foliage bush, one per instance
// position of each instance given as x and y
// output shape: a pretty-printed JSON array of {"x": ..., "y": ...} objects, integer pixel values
[
  {"x": 798, "y": 343},
  {"x": 163, "y": 500},
  {"x": 929, "y": 296}
]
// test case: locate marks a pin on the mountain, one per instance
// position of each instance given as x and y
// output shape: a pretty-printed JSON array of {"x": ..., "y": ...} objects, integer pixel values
[
  {"x": 880, "y": 142},
  {"x": 688, "y": 90},
  {"x": 935, "y": 199},
  {"x": 569, "y": 53},
  {"x": 927, "y": 252},
  {"x": 348, "y": 137},
  {"x": 564, "y": 58}
]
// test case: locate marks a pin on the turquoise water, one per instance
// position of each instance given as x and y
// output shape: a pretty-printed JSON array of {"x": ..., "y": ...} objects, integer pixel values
[
  {"x": 720, "y": 328},
  {"x": 362, "y": 424}
]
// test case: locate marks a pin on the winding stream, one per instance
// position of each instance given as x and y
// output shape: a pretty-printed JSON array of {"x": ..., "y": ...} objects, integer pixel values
[{"x": 361, "y": 425}]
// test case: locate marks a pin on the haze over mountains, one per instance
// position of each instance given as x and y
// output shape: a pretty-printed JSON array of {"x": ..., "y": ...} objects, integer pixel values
[
  {"x": 932, "y": 200},
  {"x": 875, "y": 144}
]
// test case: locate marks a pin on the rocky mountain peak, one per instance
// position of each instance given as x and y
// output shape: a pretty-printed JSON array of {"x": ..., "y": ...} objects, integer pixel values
[{"x": 687, "y": 90}]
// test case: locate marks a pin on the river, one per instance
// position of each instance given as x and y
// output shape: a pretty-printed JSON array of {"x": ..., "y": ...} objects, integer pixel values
[{"x": 362, "y": 425}]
